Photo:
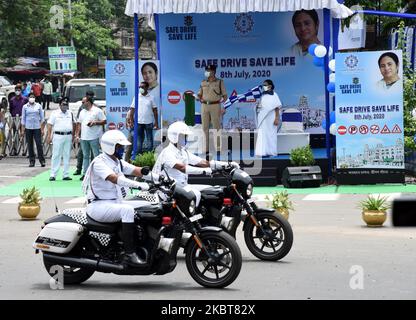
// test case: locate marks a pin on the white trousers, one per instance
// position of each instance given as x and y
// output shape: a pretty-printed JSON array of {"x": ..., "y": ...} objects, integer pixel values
[
  {"x": 61, "y": 150},
  {"x": 110, "y": 211}
]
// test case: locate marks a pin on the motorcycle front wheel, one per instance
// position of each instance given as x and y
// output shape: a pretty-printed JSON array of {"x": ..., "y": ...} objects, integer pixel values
[
  {"x": 219, "y": 265},
  {"x": 273, "y": 240}
]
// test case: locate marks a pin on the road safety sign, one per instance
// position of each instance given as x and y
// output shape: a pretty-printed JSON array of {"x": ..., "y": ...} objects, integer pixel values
[
  {"x": 385, "y": 130},
  {"x": 374, "y": 129},
  {"x": 353, "y": 130},
  {"x": 396, "y": 129},
  {"x": 363, "y": 129},
  {"x": 342, "y": 130}
]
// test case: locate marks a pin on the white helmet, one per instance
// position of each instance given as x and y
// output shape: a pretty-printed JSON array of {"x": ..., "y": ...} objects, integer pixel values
[
  {"x": 177, "y": 128},
  {"x": 110, "y": 139}
]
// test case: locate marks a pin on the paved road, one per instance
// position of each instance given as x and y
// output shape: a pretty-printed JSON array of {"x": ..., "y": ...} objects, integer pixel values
[{"x": 329, "y": 240}]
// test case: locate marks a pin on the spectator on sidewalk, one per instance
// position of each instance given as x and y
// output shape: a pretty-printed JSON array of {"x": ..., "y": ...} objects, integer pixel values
[
  {"x": 16, "y": 107},
  {"x": 37, "y": 91},
  {"x": 62, "y": 124},
  {"x": 33, "y": 125},
  {"x": 47, "y": 93},
  {"x": 89, "y": 131}
]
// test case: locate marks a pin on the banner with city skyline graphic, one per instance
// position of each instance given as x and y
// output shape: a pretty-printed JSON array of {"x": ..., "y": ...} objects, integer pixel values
[
  {"x": 247, "y": 49},
  {"x": 369, "y": 113}
]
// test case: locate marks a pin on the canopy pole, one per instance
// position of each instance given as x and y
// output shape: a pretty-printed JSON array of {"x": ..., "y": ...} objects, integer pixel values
[
  {"x": 327, "y": 43},
  {"x": 387, "y": 14},
  {"x": 136, "y": 83}
]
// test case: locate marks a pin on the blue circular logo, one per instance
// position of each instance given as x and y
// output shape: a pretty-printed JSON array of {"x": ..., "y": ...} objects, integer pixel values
[
  {"x": 119, "y": 68},
  {"x": 244, "y": 23},
  {"x": 351, "y": 62}
]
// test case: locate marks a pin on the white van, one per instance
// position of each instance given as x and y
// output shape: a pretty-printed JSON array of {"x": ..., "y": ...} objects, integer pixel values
[{"x": 76, "y": 89}]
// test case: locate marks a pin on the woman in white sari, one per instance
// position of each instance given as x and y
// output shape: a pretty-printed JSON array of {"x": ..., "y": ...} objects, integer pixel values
[{"x": 267, "y": 121}]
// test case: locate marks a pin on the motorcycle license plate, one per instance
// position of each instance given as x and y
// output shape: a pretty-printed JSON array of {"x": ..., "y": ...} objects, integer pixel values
[{"x": 196, "y": 217}]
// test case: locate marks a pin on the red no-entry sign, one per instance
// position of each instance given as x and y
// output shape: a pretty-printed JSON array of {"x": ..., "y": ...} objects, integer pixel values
[
  {"x": 342, "y": 130},
  {"x": 174, "y": 97}
]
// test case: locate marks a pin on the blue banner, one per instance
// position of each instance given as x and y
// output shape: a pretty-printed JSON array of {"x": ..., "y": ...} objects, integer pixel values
[
  {"x": 247, "y": 49},
  {"x": 119, "y": 92},
  {"x": 369, "y": 111}
]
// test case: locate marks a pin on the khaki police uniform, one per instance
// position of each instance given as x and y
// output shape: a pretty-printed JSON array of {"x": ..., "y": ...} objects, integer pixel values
[{"x": 211, "y": 93}]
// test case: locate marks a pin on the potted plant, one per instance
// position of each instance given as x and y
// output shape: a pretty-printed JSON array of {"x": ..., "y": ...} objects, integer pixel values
[
  {"x": 374, "y": 210},
  {"x": 281, "y": 203},
  {"x": 29, "y": 207},
  {"x": 146, "y": 159},
  {"x": 301, "y": 157}
]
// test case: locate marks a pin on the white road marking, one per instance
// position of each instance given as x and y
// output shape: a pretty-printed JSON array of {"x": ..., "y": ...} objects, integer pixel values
[
  {"x": 80, "y": 200},
  {"x": 322, "y": 197},
  {"x": 12, "y": 200}
]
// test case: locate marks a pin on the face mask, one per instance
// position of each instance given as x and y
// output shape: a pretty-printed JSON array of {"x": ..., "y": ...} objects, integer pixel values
[
  {"x": 265, "y": 88},
  {"x": 207, "y": 74},
  {"x": 64, "y": 109},
  {"x": 84, "y": 106},
  {"x": 18, "y": 93},
  {"x": 32, "y": 100},
  {"x": 182, "y": 141},
  {"x": 119, "y": 153}
]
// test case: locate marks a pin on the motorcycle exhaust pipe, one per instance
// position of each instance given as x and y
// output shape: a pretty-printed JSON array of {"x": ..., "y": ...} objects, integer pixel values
[
  {"x": 101, "y": 266},
  {"x": 166, "y": 244},
  {"x": 227, "y": 222}
]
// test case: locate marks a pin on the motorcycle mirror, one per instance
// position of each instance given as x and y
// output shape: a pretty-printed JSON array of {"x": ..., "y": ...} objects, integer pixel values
[{"x": 145, "y": 171}]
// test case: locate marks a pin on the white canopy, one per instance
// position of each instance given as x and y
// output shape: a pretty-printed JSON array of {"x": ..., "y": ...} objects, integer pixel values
[{"x": 232, "y": 6}]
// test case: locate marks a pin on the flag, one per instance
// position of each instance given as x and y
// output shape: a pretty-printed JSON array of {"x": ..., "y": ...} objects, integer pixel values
[{"x": 254, "y": 93}]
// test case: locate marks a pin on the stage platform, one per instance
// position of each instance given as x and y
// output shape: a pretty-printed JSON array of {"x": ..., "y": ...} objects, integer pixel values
[{"x": 266, "y": 172}]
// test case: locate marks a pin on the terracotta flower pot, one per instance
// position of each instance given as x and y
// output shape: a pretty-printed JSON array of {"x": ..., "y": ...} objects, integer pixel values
[
  {"x": 374, "y": 219},
  {"x": 28, "y": 211}
]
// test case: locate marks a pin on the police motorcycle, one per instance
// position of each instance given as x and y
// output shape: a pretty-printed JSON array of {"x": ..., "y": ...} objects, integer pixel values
[
  {"x": 267, "y": 234},
  {"x": 82, "y": 246}
]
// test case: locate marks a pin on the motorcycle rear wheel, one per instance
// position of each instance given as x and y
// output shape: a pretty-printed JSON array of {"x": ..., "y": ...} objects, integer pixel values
[
  {"x": 223, "y": 269},
  {"x": 72, "y": 275}
]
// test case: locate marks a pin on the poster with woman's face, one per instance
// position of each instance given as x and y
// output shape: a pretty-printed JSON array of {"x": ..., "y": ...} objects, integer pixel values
[
  {"x": 150, "y": 73},
  {"x": 247, "y": 49}
]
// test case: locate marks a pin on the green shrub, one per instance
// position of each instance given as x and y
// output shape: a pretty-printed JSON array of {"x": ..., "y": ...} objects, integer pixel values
[
  {"x": 30, "y": 196},
  {"x": 374, "y": 204},
  {"x": 146, "y": 159},
  {"x": 301, "y": 157},
  {"x": 281, "y": 200}
]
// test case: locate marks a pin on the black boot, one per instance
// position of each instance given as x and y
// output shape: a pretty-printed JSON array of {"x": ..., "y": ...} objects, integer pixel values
[{"x": 128, "y": 234}]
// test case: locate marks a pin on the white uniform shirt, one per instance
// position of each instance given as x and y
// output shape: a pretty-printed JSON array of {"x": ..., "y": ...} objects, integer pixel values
[
  {"x": 61, "y": 122},
  {"x": 170, "y": 156},
  {"x": 146, "y": 106},
  {"x": 86, "y": 116},
  {"x": 47, "y": 88},
  {"x": 102, "y": 167}
]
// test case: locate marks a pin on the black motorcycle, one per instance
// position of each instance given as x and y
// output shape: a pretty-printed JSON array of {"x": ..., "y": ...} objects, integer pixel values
[
  {"x": 82, "y": 246},
  {"x": 268, "y": 235}
]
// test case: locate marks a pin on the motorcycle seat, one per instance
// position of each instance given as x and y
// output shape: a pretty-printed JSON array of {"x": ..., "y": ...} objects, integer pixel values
[{"x": 96, "y": 226}]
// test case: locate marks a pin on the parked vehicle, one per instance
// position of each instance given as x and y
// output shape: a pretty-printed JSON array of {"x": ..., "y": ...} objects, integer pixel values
[
  {"x": 75, "y": 90},
  {"x": 82, "y": 246},
  {"x": 7, "y": 88}
]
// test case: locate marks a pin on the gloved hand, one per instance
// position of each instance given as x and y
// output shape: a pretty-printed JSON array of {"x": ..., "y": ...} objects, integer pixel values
[
  {"x": 152, "y": 177},
  {"x": 235, "y": 165},
  {"x": 207, "y": 171},
  {"x": 142, "y": 186}
]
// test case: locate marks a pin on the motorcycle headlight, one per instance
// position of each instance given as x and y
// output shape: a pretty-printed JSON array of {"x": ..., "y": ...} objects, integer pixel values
[
  {"x": 192, "y": 207},
  {"x": 249, "y": 191}
]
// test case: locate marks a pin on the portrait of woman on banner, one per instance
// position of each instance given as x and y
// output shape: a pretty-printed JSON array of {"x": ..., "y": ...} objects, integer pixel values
[
  {"x": 149, "y": 73},
  {"x": 306, "y": 27},
  {"x": 268, "y": 119},
  {"x": 389, "y": 65}
]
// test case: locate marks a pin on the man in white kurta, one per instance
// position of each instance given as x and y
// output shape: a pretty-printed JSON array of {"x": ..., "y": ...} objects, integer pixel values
[{"x": 267, "y": 121}]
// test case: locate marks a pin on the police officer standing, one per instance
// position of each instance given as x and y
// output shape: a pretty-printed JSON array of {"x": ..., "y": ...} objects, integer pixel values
[
  {"x": 211, "y": 93},
  {"x": 62, "y": 124}
]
